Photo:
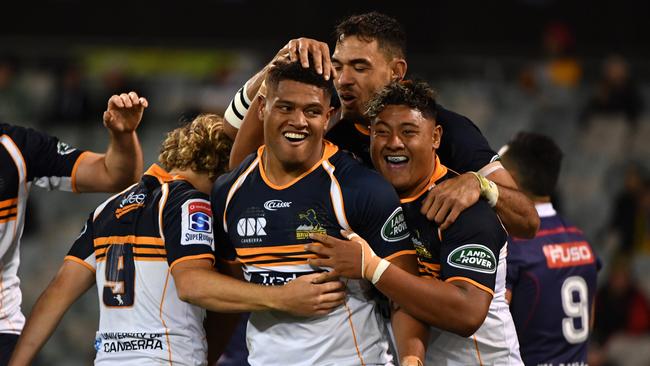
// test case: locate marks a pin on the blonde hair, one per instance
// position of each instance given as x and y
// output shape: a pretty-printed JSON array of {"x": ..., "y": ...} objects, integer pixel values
[{"x": 201, "y": 145}]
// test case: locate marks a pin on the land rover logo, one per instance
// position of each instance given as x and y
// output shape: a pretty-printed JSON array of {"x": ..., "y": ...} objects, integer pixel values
[
  {"x": 475, "y": 257},
  {"x": 273, "y": 205},
  {"x": 394, "y": 228}
]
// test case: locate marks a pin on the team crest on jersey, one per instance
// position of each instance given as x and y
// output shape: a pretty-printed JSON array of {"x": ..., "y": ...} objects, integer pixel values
[
  {"x": 64, "y": 149},
  {"x": 196, "y": 223},
  {"x": 474, "y": 257},
  {"x": 394, "y": 228},
  {"x": 420, "y": 248},
  {"x": 310, "y": 225}
]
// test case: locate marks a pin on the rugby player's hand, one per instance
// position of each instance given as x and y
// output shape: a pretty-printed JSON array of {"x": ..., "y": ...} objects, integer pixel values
[
  {"x": 304, "y": 297},
  {"x": 445, "y": 201},
  {"x": 351, "y": 258},
  {"x": 124, "y": 112},
  {"x": 300, "y": 49}
]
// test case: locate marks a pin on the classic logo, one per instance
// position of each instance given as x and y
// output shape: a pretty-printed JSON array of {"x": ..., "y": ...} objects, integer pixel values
[
  {"x": 394, "y": 228},
  {"x": 273, "y": 205},
  {"x": 310, "y": 225},
  {"x": 64, "y": 149},
  {"x": 475, "y": 257}
]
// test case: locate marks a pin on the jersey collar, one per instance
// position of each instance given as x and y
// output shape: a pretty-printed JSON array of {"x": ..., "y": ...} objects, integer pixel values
[{"x": 439, "y": 171}]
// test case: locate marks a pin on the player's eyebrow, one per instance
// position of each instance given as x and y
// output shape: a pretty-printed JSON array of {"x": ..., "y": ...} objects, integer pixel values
[{"x": 354, "y": 61}]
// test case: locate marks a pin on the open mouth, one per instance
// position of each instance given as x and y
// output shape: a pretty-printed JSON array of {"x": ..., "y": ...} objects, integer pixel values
[
  {"x": 294, "y": 136},
  {"x": 396, "y": 159},
  {"x": 347, "y": 98}
]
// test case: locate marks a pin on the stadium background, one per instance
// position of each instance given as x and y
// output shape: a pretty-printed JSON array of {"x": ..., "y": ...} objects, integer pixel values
[{"x": 534, "y": 65}]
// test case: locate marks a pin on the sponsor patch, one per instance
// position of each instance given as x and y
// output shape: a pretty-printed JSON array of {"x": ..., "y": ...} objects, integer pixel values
[
  {"x": 196, "y": 223},
  {"x": 474, "y": 257},
  {"x": 568, "y": 254},
  {"x": 394, "y": 228},
  {"x": 273, "y": 205}
]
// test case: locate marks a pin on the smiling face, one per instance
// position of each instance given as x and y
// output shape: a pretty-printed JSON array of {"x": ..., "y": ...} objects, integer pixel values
[
  {"x": 402, "y": 146},
  {"x": 295, "y": 116},
  {"x": 363, "y": 69}
]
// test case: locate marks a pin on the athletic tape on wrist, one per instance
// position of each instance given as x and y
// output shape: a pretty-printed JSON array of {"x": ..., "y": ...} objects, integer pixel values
[
  {"x": 489, "y": 189},
  {"x": 238, "y": 107},
  {"x": 381, "y": 267}
]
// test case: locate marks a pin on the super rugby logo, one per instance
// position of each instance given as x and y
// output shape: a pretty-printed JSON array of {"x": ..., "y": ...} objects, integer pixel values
[
  {"x": 394, "y": 228},
  {"x": 474, "y": 257},
  {"x": 273, "y": 205},
  {"x": 196, "y": 223}
]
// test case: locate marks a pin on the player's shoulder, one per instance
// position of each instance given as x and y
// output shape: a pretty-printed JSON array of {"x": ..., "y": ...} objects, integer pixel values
[{"x": 225, "y": 181}]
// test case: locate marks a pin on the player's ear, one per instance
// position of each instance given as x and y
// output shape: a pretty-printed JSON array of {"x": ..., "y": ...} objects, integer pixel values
[
  {"x": 261, "y": 104},
  {"x": 398, "y": 69},
  {"x": 328, "y": 115},
  {"x": 437, "y": 136}
]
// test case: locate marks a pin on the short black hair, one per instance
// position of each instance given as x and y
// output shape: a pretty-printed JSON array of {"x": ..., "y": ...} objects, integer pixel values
[
  {"x": 388, "y": 32},
  {"x": 537, "y": 160},
  {"x": 296, "y": 72},
  {"x": 414, "y": 94}
]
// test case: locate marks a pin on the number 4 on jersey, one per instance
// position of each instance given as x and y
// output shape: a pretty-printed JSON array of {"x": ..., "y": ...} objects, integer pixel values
[{"x": 120, "y": 276}]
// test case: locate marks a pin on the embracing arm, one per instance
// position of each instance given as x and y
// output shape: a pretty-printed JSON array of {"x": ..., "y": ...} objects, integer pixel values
[
  {"x": 516, "y": 211},
  {"x": 69, "y": 284},
  {"x": 198, "y": 283},
  {"x": 122, "y": 164}
]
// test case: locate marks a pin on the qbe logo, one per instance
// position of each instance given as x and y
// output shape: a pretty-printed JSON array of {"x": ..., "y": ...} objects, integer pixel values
[
  {"x": 251, "y": 226},
  {"x": 200, "y": 216}
]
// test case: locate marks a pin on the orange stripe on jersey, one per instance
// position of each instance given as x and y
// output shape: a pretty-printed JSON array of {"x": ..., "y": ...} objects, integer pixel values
[
  {"x": 161, "y": 174},
  {"x": 77, "y": 260},
  {"x": 354, "y": 334},
  {"x": 138, "y": 250},
  {"x": 478, "y": 353},
  {"x": 9, "y": 202},
  {"x": 13, "y": 218},
  {"x": 439, "y": 171},
  {"x": 73, "y": 175},
  {"x": 363, "y": 129},
  {"x": 242, "y": 252},
  {"x": 400, "y": 253},
  {"x": 193, "y": 257},
  {"x": 129, "y": 239},
  {"x": 329, "y": 150},
  {"x": 9, "y": 211},
  {"x": 482, "y": 287},
  {"x": 138, "y": 258}
]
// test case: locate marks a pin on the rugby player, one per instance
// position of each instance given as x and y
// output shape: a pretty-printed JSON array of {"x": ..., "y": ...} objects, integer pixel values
[
  {"x": 460, "y": 292},
  {"x": 295, "y": 185},
  {"x": 551, "y": 279},
  {"x": 29, "y": 157},
  {"x": 149, "y": 248},
  {"x": 370, "y": 53}
]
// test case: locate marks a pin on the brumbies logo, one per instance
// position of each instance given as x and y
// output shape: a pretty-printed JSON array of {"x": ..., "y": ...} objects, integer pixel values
[
  {"x": 394, "y": 228},
  {"x": 310, "y": 225},
  {"x": 196, "y": 223},
  {"x": 474, "y": 257}
]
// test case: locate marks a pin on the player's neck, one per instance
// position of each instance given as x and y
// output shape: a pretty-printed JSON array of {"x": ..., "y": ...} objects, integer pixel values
[
  {"x": 421, "y": 185},
  {"x": 200, "y": 181},
  {"x": 281, "y": 173}
]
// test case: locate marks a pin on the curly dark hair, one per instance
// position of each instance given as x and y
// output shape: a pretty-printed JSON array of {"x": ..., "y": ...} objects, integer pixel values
[
  {"x": 414, "y": 94},
  {"x": 295, "y": 72},
  {"x": 200, "y": 145},
  {"x": 388, "y": 32}
]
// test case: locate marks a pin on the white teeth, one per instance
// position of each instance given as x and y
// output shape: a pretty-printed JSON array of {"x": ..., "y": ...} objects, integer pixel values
[
  {"x": 295, "y": 135},
  {"x": 396, "y": 159}
]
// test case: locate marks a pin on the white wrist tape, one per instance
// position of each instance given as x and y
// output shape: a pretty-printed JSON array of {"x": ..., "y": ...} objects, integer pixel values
[
  {"x": 238, "y": 107},
  {"x": 381, "y": 267},
  {"x": 489, "y": 189}
]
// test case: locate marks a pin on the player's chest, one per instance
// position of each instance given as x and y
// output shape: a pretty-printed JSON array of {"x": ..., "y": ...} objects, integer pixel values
[{"x": 266, "y": 217}]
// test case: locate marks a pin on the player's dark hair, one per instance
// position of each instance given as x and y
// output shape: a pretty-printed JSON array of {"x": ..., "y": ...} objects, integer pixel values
[
  {"x": 414, "y": 94},
  {"x": 295, "y": 72},
  {"x": 537, "y": 160},
  {"x": 388, "y": 32}
]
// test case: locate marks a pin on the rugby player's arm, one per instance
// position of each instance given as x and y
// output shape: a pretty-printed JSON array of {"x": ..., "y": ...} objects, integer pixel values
[
  {"x": 411, "y": 335},
  {"x": 198, "y": 283},
  {"x": 72, "y": 281},
  {"x": 249, "y": 137},
  {"x": 122, "y": 164}
]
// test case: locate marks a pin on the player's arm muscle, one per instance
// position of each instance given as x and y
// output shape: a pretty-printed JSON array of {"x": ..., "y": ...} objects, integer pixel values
[
  {"x": 72, "y": 280},
  {"x": 515, "y": 210}
]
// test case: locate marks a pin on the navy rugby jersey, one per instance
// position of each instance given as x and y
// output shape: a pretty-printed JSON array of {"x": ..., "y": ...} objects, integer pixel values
[
  {"x": 26, "y": 157},
  {"x": 131, "y": 242},
  {"x": 265, "y": 227},
  {"x": 463, "y": 148},
  {"x": 473, "y": 249},
  {"x": 553, "y": 282}
]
